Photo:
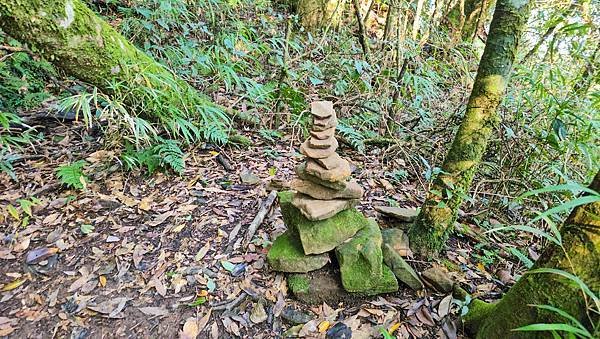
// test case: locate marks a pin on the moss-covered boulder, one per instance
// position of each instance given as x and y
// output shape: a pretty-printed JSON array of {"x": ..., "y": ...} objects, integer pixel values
[
  {"x": 317, "y": 287},
  {"x": 361, "y": 263},
  {"x": 286, "y": 255},
  {"x": 323, "y": 235}
]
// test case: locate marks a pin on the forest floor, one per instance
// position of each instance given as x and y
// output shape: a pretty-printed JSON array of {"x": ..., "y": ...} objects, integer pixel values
[{"x": 148, "y": 256}]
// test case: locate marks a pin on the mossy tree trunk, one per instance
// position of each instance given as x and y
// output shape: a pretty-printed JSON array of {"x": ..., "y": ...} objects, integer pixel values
[
  {"x": 318, "y": 14},
  {"x": 438, "y": 213},
  {"x": 580, "y": 256},
  {"x": 80, "y": 43}
]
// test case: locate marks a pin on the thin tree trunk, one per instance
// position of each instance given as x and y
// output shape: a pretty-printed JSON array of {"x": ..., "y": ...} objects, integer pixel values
[
  {"x": 431, "y": 229},
  {"x": 417, "y": 19},
  {"x": 362, "y": 34},
  {"x": 580, "y": 255}
]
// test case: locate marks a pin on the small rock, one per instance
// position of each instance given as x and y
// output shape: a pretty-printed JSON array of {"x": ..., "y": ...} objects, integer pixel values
[
  {"x": 295, "y": 317},
  {"x": 248, "y": 177},
  {"x": 401, "y": 268},
  {"x": 317, "y": 153},
  {"x": 322, "y": 109},
  {"x": 403, "y": 214},
  {"x": 339, "y": 173},
  {"x": 322, "y": 135},
  {"x": 339, "y": 331},
  {"x": 352, "y": 190},
  {"x": 322, "y": 143},
  {"x": 293, "y": 331},
  {"x": 258, "y": 314},
  {"x": 439, "y": 279},
  {"x": 321, "y": 124},
  {"x": 314, "y": 209},
  {"x": 112, "y": 238},
  {"x": 302, "y": 174},
  {"x": 398, "y": 241}
]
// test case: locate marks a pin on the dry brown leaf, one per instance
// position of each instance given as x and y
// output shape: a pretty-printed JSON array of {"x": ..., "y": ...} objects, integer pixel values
[
  {"x": 190, "y": 329},
  {"x": 154, "y": 310}
]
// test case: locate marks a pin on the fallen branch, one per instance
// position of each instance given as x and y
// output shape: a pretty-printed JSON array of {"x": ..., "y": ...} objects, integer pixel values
[
  {"x": 260, "y": 216},
  {"x": 228, "y": 305}
]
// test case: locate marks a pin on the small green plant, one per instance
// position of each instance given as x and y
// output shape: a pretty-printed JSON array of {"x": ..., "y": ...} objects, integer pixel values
[
  {"x": 72, "y": 175},
  {"x": 165, "y": 155},
  {"x": 23, "y": 212}
]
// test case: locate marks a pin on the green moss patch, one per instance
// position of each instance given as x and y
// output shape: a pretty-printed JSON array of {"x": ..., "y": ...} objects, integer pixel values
[{"x": 286, "y": 255}]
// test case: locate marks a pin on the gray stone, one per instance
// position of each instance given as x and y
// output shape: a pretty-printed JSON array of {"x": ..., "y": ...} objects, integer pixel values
[
  {"x": 321, "y": 143},
  {"x": 340, "y": 173},
  {"x": 401, "y": 213},
  {"x": 398, "y": 240},
  {"x": 352, "y": 190},
  {"x": 439, "y": 279},
  {"x": 301, "y": 172},
  {"x": 322, "y": 135},
  {"x": 315, "y": 209},
  {"x": 287, "y": 255},
  {"x": 324, "y": 124},
  {"x": 322, "y": 109},
  {"x": 401, "y": 268},
  {"x": 317, "y": 153}
]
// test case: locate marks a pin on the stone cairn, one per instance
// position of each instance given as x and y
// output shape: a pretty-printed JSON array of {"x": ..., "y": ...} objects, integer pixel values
[{"x": 320, "y": 216}]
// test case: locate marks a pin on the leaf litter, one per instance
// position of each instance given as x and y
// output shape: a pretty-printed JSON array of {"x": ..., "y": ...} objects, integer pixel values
[{"x": 156, "y": 256}]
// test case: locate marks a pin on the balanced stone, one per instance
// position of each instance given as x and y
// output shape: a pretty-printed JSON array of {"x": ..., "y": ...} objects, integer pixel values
[
  {"x": 286, "y": 255},
  {"x": 325, "y": 134},
  {"x": 398, "y": 240},
  {"x": 324, "y": 124},
  {"x": 301, "y": 172},
  {"x": 315, "y": 209},
  {"x": 322, "y": 109},
  {"x": 323, "y": 235},
  {"x": 317, "y": 153},
  {"x": 339, "y": 173},
  {"x": 330, "y": 162},
  {"x": 322, "y": 144},
  {"x": 352, "y": 190},
  {"x": 400, "y": 213},
  {"x": 361, "y": 263}
]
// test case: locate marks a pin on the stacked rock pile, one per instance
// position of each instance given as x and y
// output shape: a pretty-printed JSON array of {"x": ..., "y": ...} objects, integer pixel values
[{"x": 320, "y": 215}]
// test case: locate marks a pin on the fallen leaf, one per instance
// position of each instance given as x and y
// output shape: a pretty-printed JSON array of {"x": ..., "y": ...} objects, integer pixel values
[
  {"x": 154, "y": 310},
  {"x": 323, "y": 326},
  {"x": 190, "y": 329},
  {"x": 444, "y": 306},
  {"x": 161, "y": 218},
  {"x": 110, "y": 307},
  {"x": 14, "y": 284},
  {"x": 102, "y": 280},
  {"x": 39, "y": 254}
]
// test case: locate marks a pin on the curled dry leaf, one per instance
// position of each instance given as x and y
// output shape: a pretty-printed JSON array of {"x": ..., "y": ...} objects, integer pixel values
[{"x": 36, "y": 255}]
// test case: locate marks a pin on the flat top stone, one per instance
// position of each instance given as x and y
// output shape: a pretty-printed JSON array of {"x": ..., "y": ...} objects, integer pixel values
[
  {"x": 352, "y": 190},
  {"x": 315, "y": 209},
  {"x": 317, "y": 153},
  {"x": 322, "y": 109},
  {"x": 302, "y": 174},
  {"x": 332, "y": 161},
  {"x": 338, "y": 173},
  {"x": 404, "y": 214},
  {"x": 325, "y": 134},
  {"x": 321, "y": 144},
  {"x": 323, "y": 124}
]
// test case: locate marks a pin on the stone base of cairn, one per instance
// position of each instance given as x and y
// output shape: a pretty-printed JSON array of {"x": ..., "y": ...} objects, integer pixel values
[{"x": 321, "y": 219}]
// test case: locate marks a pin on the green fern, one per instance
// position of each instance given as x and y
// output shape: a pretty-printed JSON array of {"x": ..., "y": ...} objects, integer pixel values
[
  {"x": 72, "y": 175},
  {"x": 352, "y": 136},
  {"x": 170, "y": 155}
]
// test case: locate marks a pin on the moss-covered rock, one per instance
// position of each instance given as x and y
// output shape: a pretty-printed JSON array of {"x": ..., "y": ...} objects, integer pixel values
[
  {"x": 401, "y": 268},
  {"x": 323, "y": 235},
  {"x": 286, "y": 255},
  {"x": 317, "y": 287},
  {"x": 361, "y": 263}
]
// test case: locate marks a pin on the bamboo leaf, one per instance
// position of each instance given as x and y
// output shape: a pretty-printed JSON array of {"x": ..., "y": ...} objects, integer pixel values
[{"x": 553, "y": 327}]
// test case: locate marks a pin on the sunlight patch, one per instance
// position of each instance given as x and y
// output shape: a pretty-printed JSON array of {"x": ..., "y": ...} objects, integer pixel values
[{"x": 70, "y": 15}]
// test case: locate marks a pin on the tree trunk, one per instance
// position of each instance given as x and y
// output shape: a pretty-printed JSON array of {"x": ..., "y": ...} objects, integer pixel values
[
  {"x": 468, "y": 17},
  {"x": 439, "y": 211},
  {"x": 79, "y": 42},
  {"x": 318, "y": 14},
  {"x": 581, "y": 257}
]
